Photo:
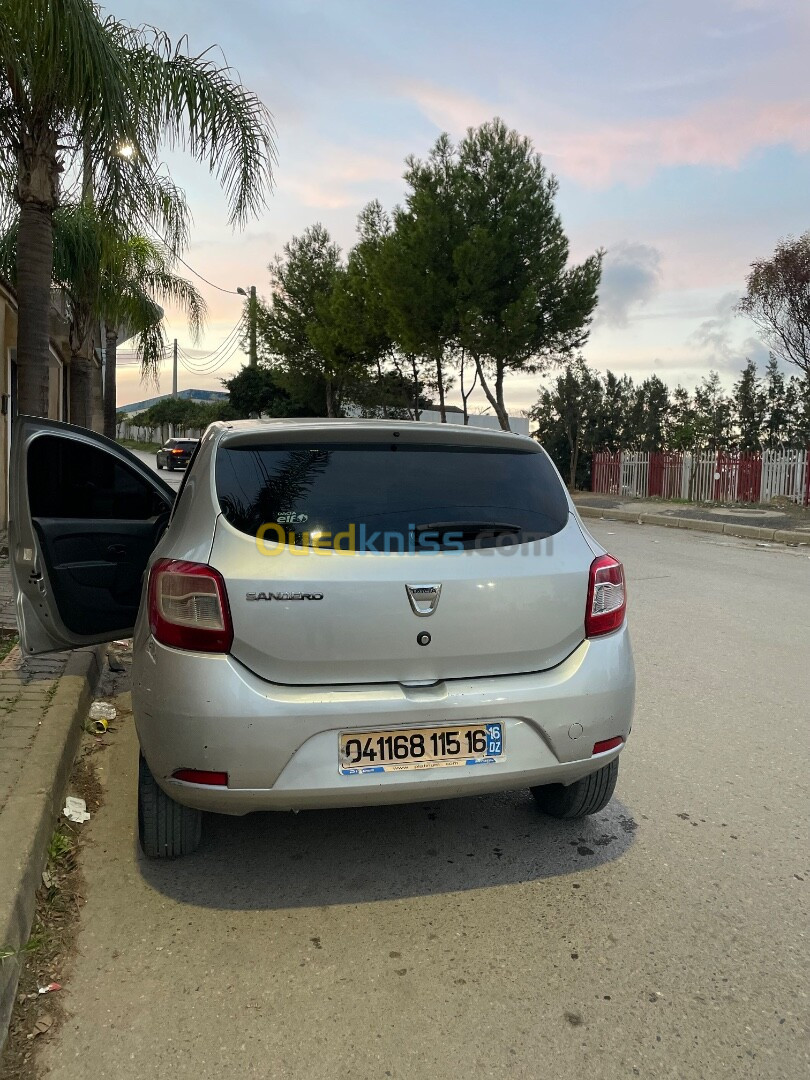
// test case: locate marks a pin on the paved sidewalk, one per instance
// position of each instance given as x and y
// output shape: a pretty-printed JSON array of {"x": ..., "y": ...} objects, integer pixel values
[
  {"x": 8, "y": 615},
  {"x": 787, "y": 517},
  {"x": 27, "y": 687}
]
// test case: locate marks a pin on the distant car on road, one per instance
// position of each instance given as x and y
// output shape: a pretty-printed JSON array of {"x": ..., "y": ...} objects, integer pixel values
[
  {"x": 176, "y": 454},
  {"x": 332, "y": 613}
]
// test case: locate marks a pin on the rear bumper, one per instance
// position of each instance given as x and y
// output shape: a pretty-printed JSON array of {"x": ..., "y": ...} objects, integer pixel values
[{"x": 279, "y": 744}]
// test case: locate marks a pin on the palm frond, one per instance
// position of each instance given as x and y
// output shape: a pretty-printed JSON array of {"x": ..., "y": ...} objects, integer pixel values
[
  {"x": 189, "y": 101},
  {"x": 59, "y": 60}
]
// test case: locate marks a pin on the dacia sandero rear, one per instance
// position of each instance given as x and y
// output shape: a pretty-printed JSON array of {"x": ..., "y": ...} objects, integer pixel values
[{"x": 333, "y": 613}]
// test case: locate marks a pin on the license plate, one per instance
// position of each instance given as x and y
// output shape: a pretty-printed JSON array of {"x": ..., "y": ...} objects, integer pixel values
[{"x": 419, "y": 748}]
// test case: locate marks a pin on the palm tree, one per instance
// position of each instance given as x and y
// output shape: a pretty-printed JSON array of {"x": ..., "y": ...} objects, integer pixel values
[
  {"x": 73, "y": 91},
  {"x": 136, "y": 274},
  {"x": 112, "y": 277}
]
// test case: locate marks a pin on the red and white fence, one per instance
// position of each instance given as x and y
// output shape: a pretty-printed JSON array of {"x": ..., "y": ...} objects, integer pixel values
[{"x": 708, "y": 476}]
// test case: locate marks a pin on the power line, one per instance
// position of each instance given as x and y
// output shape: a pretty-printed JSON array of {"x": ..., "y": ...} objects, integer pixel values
[
  {"x": 230, "y": 340},
  {"x": 188, "y": 266},
  {"x": 199, "y": 365},
  {"x": 212, "y": 365},
  {"x": 196, "y": 273}
]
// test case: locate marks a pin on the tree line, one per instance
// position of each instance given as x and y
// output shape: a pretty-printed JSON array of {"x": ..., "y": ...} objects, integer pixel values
[
  {"x": 582, "y": 411},
  {"x": 465, "y": 284}
]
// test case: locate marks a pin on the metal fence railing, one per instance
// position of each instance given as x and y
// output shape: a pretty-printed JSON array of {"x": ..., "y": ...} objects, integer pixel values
[{"x": 706, "y": 476}]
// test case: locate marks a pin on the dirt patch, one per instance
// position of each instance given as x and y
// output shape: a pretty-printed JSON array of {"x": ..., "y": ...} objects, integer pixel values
[
  {"x": 50, "y": 949},
  {"x": 8, "y": 639}
]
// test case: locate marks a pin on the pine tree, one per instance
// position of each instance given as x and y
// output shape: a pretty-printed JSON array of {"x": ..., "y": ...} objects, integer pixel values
[
  {"x": 749, "y": 408},
  {"x": 776, "y": 406}
]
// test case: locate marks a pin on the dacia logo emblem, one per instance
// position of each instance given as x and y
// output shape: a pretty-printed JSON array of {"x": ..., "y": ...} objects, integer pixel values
[{"x": 424, "y": 599}]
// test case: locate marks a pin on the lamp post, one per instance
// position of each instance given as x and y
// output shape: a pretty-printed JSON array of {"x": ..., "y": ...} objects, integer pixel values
[{"x": 253, "y": 358}]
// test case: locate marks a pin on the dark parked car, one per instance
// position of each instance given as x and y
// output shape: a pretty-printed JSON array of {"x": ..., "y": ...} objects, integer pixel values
[{"x": 176, "y": 454}]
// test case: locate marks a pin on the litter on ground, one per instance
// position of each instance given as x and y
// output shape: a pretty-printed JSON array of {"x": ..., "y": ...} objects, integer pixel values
[
  {"x": 101, "y": 710},
  {"x": 75, "y": 809}
]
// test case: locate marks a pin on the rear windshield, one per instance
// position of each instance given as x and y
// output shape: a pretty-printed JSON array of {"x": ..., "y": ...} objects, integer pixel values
[{"x": 389, "y": 497}]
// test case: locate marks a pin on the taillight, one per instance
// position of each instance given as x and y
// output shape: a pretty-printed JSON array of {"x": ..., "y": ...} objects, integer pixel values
[
  {"x": 177, "y": 450},
  {"x": 201, "y": 776},
  {"x": 605, "y": 745},
  {"x": 607, "y": 598},
  {"x": 188, "y": 607}
]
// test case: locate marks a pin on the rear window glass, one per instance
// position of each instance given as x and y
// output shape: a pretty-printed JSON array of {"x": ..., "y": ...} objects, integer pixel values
[{"x": 390, "y": 497}]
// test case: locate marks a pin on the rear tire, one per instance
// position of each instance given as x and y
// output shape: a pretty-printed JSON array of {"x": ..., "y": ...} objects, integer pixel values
[
  {"x": 159, "y": 465},
  {"x": 170, "y": 467},
  {"x": 586, "y": 796},
  {"x": 166, "y": 829}
]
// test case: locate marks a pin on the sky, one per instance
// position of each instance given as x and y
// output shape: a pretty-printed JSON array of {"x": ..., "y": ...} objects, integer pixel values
[{"x": 679, "y": 133}]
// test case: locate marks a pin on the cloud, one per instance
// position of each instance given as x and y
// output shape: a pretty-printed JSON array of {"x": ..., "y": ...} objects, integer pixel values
[
  {"x": 717, "y": 133},
  {"x": 716, "y": 340},
  {"x": 631, "y": 275},
  {"x": 337, "y": 177},
  {"x": 448, "y": 109}
]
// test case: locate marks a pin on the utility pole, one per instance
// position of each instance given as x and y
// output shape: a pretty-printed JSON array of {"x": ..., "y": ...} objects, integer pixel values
[
  {"x": 174, "y": 377},
  {"x": 252, "y": 316}
]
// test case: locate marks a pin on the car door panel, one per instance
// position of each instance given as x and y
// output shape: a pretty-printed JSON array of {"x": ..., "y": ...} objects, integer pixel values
[
  {"x": 95, "y": 570},
  {"x": 85, "y": 517}
]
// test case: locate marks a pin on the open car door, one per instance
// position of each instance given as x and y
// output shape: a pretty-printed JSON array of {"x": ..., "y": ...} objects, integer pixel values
[{"x": 84, "y": 516}]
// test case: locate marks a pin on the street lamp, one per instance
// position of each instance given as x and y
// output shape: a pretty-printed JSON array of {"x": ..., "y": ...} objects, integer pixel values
[{"x": 252, "y": 317}]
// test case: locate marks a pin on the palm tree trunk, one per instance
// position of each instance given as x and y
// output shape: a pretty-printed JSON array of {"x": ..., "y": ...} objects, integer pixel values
[
  {"x": 81, "y": 402},
  {"x": 34, "y": 269},
  {"x": 110, "y": 400},
  {"x": 96, "y": 396}
]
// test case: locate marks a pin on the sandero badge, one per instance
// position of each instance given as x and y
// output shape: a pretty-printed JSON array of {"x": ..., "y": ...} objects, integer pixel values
[{"x": 284, "y": 596}]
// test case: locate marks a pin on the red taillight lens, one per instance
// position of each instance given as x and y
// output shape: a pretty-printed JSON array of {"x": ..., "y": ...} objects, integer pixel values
[
  {"x": 607, "y": 744},
  {"x": 201, "y": 776},
  {"x": 607, "y": 597},
  {"x": 188, "y": 607},
  {"x": 177, "y": 450}
]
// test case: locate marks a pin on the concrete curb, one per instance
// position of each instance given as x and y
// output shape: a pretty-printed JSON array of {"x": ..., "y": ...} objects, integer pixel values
[
  {"x": 747, "y": 532},
  {"x": 30, "y": 814}
]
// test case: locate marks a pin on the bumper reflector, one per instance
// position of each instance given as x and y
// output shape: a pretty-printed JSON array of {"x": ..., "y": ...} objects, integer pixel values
[
  {"x": 607, "y": 744},
  {"x": 201, "y": 776}
]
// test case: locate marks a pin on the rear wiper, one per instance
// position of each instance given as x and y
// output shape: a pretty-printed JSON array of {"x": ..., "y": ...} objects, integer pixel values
[{"x": 468, "y": 527}]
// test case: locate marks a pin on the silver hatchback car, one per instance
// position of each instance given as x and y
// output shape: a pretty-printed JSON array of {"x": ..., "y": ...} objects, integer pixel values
[{"x": 332, "y": 613}]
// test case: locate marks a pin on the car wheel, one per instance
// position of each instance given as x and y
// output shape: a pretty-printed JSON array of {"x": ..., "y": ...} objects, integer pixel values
[
  {"x": 170, "y": 467},
  {"x": 586, "y": 796},
  {"x": 159, "y": 465},
  {"x": 165, "y": 828}
]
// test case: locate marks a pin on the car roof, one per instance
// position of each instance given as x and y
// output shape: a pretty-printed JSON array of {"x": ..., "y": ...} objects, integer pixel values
[{"x": 346, "y": 427}]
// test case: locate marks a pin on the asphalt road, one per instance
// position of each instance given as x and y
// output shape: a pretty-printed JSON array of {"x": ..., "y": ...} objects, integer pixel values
[
  {"x": 172, "y": 478},
  {"x": 665, "y": 938}
]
